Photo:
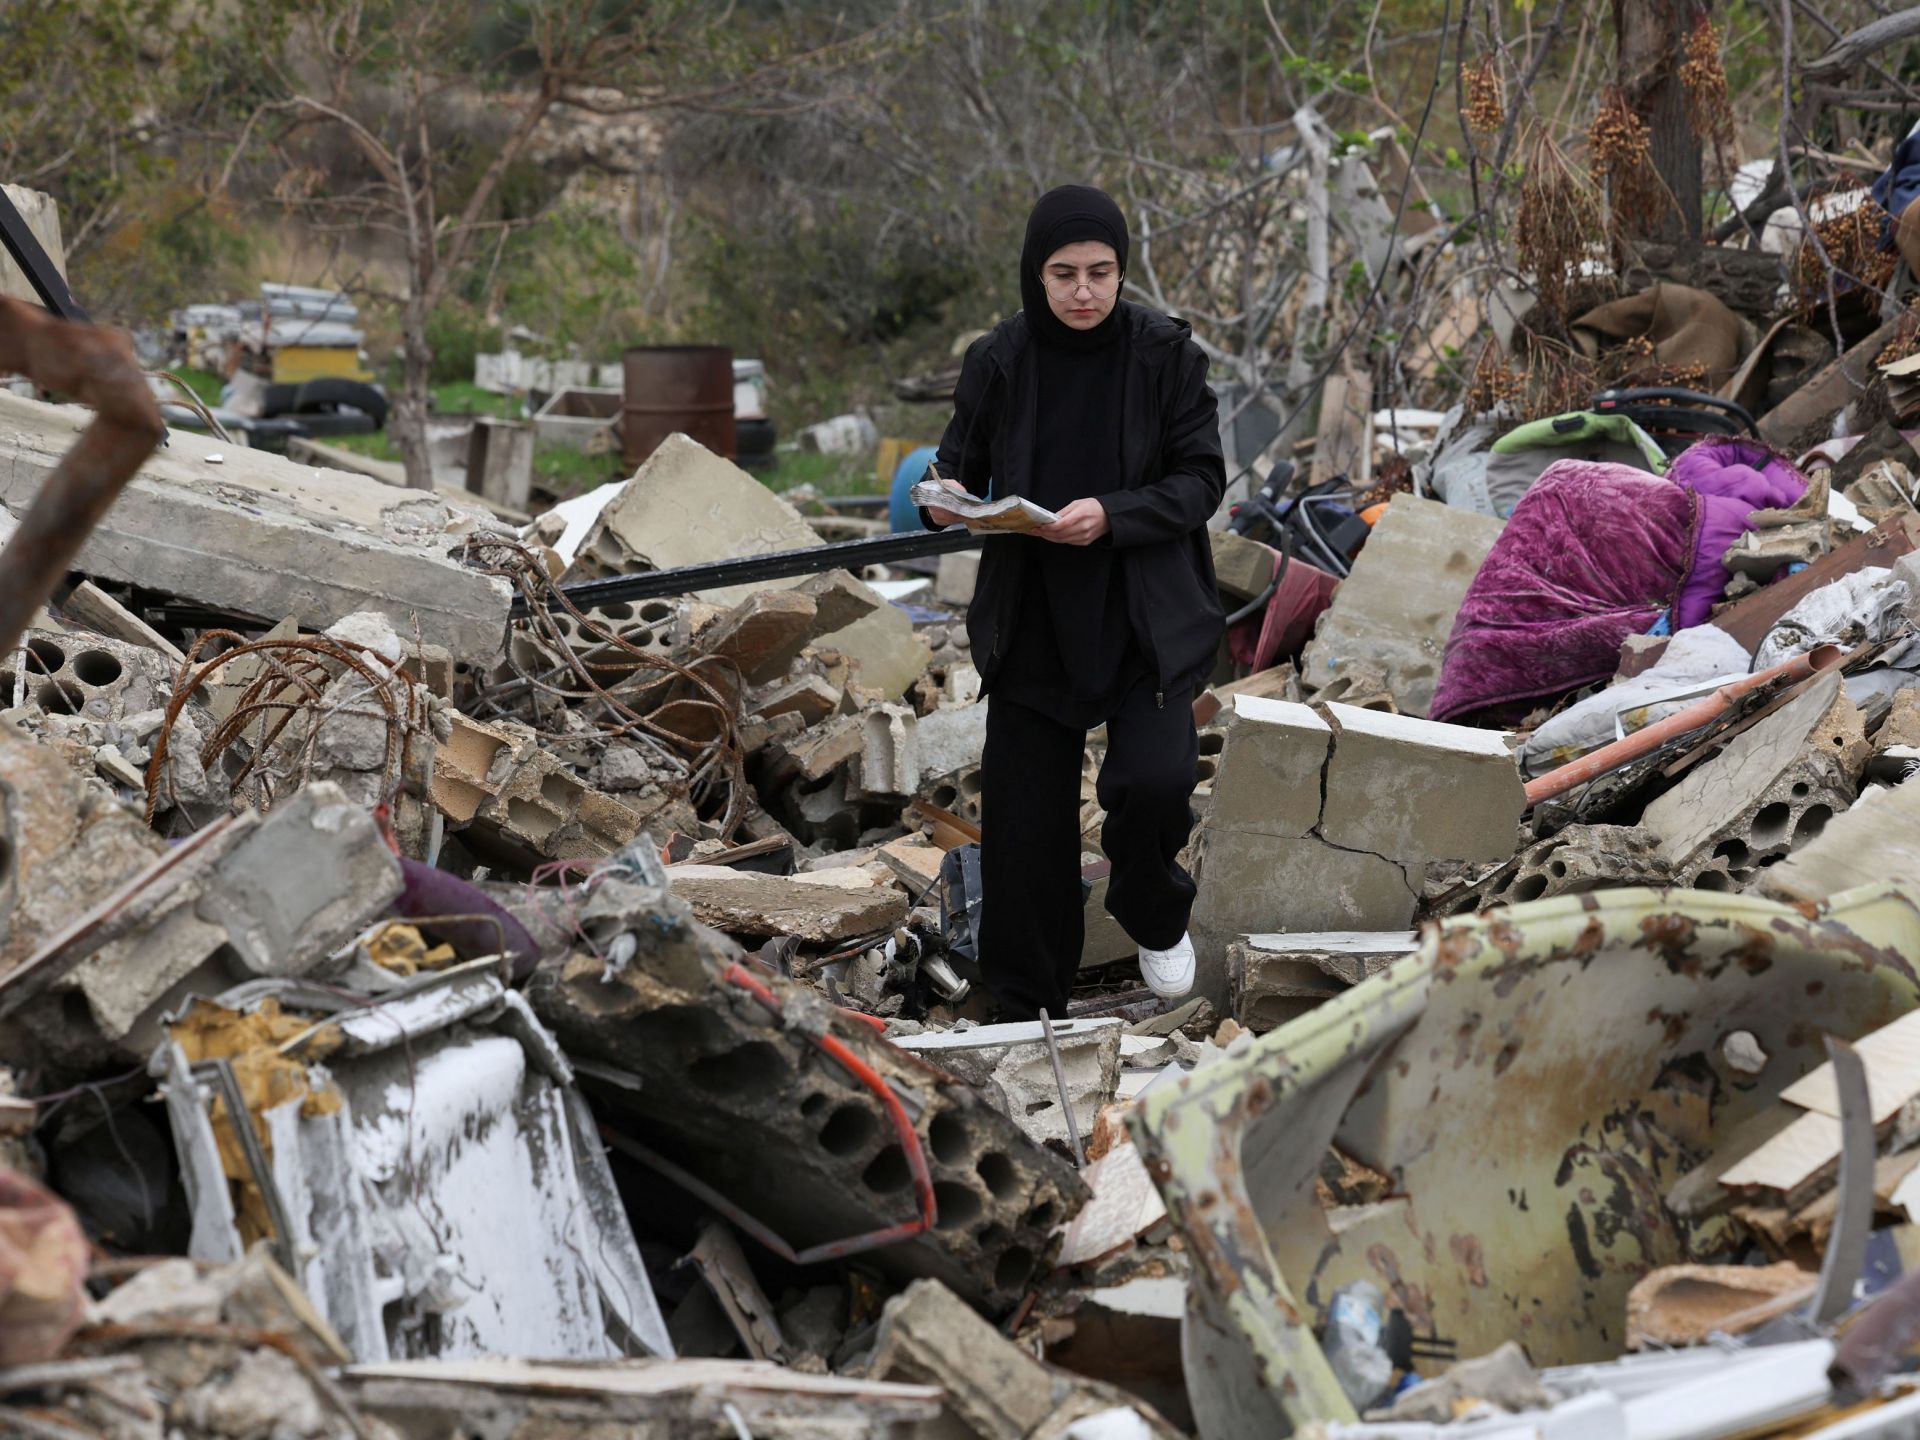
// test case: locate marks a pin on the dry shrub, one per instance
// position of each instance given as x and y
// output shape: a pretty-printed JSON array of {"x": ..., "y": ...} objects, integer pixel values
[
  {"x": 1495, "y": 383},
  {"x": 1486, "y": 108},
  {"x": 1709, "y": 109},
  {"x": 1558, "y": 218},
  {"x": 1852, "y": 245},
  {"x": 1622, "y": 150}
]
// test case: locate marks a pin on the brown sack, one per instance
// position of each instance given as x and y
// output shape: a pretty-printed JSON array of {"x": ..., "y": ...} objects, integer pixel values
[{"x": 1687, "y": 327}]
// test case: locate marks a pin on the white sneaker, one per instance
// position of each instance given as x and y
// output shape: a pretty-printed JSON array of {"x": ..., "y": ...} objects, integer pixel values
[{"x": 1169, "y": 973}]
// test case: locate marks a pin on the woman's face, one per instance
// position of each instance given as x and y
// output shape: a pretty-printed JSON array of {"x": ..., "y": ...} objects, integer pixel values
[{"x": 1082, "y": 282}]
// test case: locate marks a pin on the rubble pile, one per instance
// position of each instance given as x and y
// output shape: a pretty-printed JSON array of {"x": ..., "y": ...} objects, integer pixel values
[{"x": 465, "y": 977}]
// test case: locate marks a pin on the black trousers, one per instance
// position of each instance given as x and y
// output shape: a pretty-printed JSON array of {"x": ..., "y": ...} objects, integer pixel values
[{"x": 1031, "y": 921}]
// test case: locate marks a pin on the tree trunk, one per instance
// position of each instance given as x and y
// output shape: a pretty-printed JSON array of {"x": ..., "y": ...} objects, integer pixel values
[
  {"x": 409, "y": 419},
  {"x": 1651, "y": 38}
]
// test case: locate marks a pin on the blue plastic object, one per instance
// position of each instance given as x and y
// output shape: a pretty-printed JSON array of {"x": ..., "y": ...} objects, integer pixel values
[{"x": 902, "y": 514}]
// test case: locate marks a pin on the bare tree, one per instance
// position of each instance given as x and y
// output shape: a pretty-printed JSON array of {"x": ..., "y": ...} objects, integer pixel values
[{"x": 439, "y": 108}]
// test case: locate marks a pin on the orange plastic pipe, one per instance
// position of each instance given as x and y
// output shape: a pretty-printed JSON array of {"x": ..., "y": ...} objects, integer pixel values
[{"x": 1609, "y": 758}]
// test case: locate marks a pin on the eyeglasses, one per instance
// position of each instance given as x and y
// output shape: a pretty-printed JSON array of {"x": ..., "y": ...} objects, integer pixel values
[{"x": 1065, "y": 287}]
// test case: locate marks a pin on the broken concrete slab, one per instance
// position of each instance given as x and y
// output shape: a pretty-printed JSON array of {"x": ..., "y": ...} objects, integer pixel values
[
  {"x": 260, "y": 535},
  {"x": 762, "y": 634},
  {"x": 1013, "y": 1059},
  {"x": 810, "y": 697},
  {"x": 1249, "y": 884},
  {"x": 685, "y": 505},
  {"x": 1276, "y": 978},
  {"x": 305, "y": 881},
  {"x": 812, "y": 908},
  {"x": 1379, "y": 618},
  {"x": 951, "y": 740},
  {"x": 1401, "y": 786},
  {"x": 739, "y": 1094},
  {"x": 1771, "y": 790},
  {"x": 1270, "y": 769}
]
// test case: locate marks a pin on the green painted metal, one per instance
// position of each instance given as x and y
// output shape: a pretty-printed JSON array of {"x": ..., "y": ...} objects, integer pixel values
[{"x": 1534, "y": 1082}]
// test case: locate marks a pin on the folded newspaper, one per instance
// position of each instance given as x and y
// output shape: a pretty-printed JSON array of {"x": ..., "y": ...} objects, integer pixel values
[{"x": 1013, "y": 515}]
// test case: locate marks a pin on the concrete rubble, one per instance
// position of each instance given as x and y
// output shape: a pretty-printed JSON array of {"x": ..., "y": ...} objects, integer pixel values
[{"x": 442, "y": 995}]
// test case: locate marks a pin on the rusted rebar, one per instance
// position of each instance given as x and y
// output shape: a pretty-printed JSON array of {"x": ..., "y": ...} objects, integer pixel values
[{"x": 96, "y": 367}]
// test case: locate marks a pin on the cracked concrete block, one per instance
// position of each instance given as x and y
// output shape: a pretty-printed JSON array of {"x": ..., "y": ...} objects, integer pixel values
[
  {"x": 1271, "y": 768},
  {"x": 951, "y": 740},
  {"x": 1878, "y": 838},
  {"x": 762, "y": 634},
  {"x": 1014, "y": 1059},
  {"x": 306, "y": 880},
  {"x": 73, "y": 673},
  {"x": 1253, "y": 884},
  {"x": 263, "y": 536},
  {"x": 1770, "y": 791},
  {"x": 812, "y": 908},
  {"x": 994, "y": 1389},
  {"x": 889, "y": 763},
  {"x": 746, "y": 1100},
  {"x": 1276, "y": 978},
  {"x": 1405, "y": 787},
  {"x": 512, "y": 796},
  {"x": 1384, "y": 617}
]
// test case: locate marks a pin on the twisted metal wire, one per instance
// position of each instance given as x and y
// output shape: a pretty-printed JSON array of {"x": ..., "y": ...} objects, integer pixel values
[
  {"x": 625, "y": 704},
  {"x": 294, "y": 676}
]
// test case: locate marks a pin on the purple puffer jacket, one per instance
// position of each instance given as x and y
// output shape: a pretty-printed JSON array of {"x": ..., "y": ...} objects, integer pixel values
[
  {"x": 1734, "y": 478},
  {"x": 1594, "y": 553}
]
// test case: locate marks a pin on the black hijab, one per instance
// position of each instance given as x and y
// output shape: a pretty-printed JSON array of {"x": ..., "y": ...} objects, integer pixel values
[{"x": 1063, "y": 215}]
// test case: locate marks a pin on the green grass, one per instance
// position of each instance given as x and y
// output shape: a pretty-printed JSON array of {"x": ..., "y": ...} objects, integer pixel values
[
  {"x": 205, "y": 384},
  {"x": 377, "y": 446},
  {"x": 463, "y": 397},
  {"x": 827, "y": 474},
  {"x": 564, "y": 472}
]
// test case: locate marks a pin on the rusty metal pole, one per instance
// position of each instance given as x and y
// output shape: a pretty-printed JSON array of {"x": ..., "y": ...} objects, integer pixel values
[
  {"x": 96, "y": 367},
  {"x": 1609, "y": 758}
]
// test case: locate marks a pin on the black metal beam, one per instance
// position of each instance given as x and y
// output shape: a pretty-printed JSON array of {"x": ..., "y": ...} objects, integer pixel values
[
  {"x": 752, "y": 569},
  {"x": 34, "y": 262}
]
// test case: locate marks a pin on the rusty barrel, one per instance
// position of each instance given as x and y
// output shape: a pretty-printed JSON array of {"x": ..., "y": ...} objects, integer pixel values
[{"x": 688, "y": 388}]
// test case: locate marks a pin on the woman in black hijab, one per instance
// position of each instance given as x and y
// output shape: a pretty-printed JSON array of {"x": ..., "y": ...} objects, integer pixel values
[{"x": 1099, "y": 410}]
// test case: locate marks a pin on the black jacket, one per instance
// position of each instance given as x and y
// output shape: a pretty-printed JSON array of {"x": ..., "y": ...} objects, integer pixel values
[{"x": 1174, "y": 476}]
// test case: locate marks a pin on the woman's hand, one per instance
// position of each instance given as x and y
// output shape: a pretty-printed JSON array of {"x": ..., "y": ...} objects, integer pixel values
[
  {"x": 1081, "y": 523},
  {"x": 944, "y": 518}
]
